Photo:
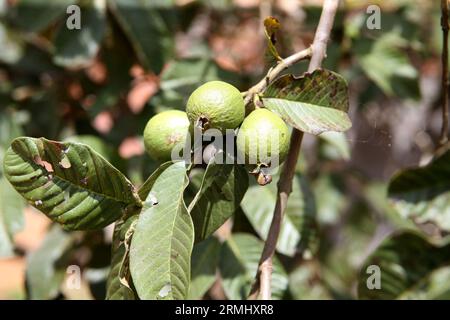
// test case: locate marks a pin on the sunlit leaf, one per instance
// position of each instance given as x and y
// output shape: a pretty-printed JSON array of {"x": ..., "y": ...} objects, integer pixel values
[
  {"x": 160, "y": 253},
  {"x": 314, "y": 103},
  {"x": 220, "y": 193},
  {"x": 69, "y": 182},
  {"x": 11, "y": 204}
]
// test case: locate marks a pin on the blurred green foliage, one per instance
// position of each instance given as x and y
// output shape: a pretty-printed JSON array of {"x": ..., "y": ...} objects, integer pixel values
[{"x": 131, "y": 59}]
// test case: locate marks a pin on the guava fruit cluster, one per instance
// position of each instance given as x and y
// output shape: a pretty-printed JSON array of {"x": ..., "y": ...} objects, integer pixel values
[{"x": 219, "y": 105}]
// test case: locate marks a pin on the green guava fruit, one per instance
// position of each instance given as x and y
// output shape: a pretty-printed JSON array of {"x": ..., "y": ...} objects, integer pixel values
[
  {"x": 263, "y": 138},
  {"x": 216, "y": 104},
  {"x": 163, "y": 132}
]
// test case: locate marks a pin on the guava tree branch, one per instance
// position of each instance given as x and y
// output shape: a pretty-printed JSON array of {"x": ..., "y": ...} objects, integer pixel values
[
  {"x": 445, "y": 82},
  {"x": 262, "y": 285}
]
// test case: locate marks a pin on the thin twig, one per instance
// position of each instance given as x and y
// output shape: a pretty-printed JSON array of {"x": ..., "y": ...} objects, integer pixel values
[
  {"x": 274, "y": 72},
  {"x": 262, "y": 285},
  {"x": 445, "y": 82}
]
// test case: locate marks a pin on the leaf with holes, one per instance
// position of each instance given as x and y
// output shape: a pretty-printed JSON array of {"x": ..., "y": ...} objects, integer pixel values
[
  {"x": 69, "y": 182},
  {"x": 238, "y": 264},
  {"x": 407, "y": 263},
  {"x": 205, "y": 258},
  {"x": 162, "y": 243},
  {"x": 220, "y": 193},
  {"x": 423, "y": 194},
  {"x": 314, "y": 103},
  {"x": 298, "y": 228}
]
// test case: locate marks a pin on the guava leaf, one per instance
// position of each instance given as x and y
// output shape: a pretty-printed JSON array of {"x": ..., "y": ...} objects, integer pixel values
[
  {"x": 11, "y": 203},
  {"x": 145, "y": 27},
  {"x": 76, "y": 48},
  {"x": 36, "y": 15},
  {"x": 387, "y": 64},
  {"x": 298, "y": 227},
  {"x": 238, "y": 263},
  {"x": 423, "y": 194},
  {"x": 313, "y": 103},
  {"x": 145, "y": 188},
  {"x": 407, "y": 263},
  {"x": 46, "y": 267},
  {"x": 220, "y": 194},
  {"x": 69, "y": 182},
  {"x": 204, "y": 260},
  {"x": 115, "y": 287},
  {"x": 160, "y": 252}
]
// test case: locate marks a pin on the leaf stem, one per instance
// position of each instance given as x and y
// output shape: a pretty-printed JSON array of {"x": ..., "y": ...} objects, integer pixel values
[
  {"x": 262, "y": 285},
  {"x": 445, "y": 81}
]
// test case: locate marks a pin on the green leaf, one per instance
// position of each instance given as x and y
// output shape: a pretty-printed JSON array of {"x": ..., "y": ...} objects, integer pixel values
[
  {"x": 238, "y": 264},
  {"x": 423, "y": 194},
  {"x": 116, "y": 289},
  {"x": 144, "y": 190},
  {"x": 162, "y": 243},
  {"x": 298, "y": 227},
  {"x": 146, "y": 29},
  {"x": 434, "y": 287},
  {"x": 11, "y": 217},
  {"x": 46, "y": 267},
  {"x": 11, "y": 204},
  {"x": 332, "y": 200},
  {"x": 220, "y": 194},
  {"x": 205, "y": 258},
  {"x": 385, "y": 62},
  {"x": 96, "y": 143},
  {"x": 407, "y": 263},
  {"x": 36, "y": 15},
  {"x": 314, "y": 103},
  {"x": 183, "y": 76},
  {"x": 69, "y": 182},
  {"x": 78, "y": 47}
]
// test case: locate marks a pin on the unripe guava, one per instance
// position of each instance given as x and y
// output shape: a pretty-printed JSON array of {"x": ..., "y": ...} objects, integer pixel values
[
  {"x": 216, "y": 104},
  {"x": 263, "y": 138},
  {"x": 163, "y": 132}
]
